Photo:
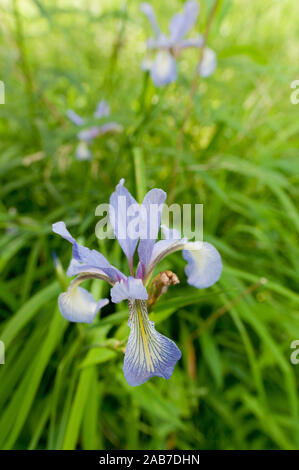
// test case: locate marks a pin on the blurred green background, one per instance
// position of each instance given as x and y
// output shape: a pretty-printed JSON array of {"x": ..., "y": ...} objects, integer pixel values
[{"x": 62, "y": 385}]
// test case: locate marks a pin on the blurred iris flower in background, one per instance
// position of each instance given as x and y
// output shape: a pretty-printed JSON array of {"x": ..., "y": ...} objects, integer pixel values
[
  {"x": 87, "y": 135},
  {"x": 163, "y": 68},
  {"x": 148, "y": 353}
]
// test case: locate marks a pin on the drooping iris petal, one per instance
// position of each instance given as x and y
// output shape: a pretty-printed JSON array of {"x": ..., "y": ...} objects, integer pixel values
[
  {"x": 74, "y": 117},
  {"x": 148, "y": 353},
  {"x": 162, "y": 42},
  {"x": 147, "y": 9},
  {"x": 102, "y": 109},
  {"x": 87, "y": 257},
  {"x": 204, "y": 264},
  {"x": 191, "y": 42},
  {"x": 164, "y": 69},
  {"x": 208, "y": 63},
  {"x": 150, "y": 222},
  {"x": 110, "y": 127},
  {"x": 83, "y": 152},
  {"x": 181, "y": 23},
  {"x": 120, "y": 218},
  {"x": 173, "y": 242},
  {"x": 78, "y": 305},
  {"x": 75, "y": 268},
  {"x": 60, "y": 229},
  {"x": 89, "y": 134},
  {"x": 128, "y": 289}
]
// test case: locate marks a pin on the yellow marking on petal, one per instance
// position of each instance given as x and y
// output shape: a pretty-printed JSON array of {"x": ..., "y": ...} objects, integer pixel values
[{"x": 144, "y": 338}]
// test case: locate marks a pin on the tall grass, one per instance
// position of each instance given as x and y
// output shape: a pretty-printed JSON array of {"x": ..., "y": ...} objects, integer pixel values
[{"x": 62, "y": 385}]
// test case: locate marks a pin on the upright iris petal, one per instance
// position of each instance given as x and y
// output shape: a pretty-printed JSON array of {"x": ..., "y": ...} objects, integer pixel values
[
  {"x": 102, "y": 109},
  {"x": 164, "y": 69},
  {"x": 152, "y": 205},
  {"x": 148, "y": 353},
  {"x": 120, "y": 201},
  {"x": 147, "y": 9},
  {"x": 181, "y": 23},
  {"x": 204, "y": 264}
]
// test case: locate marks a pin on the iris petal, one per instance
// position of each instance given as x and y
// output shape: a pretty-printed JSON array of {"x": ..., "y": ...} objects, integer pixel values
[
  {"x": 83, "y": 152},
  {"x": 147, "y": 9},
  {"x": 88, "y": 135},
  {"x": 128, "y": 289},
  {"x": 181, "y": 23},
  {"x": 120, "y": 201},
  {"x": 191, "y": 42},
  {"x": 102, "y": 109},
  {"x": 153, "y": 205},
  {"x": 110, "y": 127},
  {"x": 173, "y": 242},
  {"x": 204, "y": 264},
  {"x": 148, "y": 353},
  {"x": 88, "y": 258},
  {"x": 74, "y": 117},
  {"x": 208, "y": 63},
  {"x": 78, "y": 305},
  {"x": 164, "y": 69}
]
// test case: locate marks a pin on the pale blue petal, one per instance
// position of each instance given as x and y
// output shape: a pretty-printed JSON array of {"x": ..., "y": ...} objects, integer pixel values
[
  {"x": 102, "y": 110},
  {"x": 78, "y": 305},
  {"x": 191, "y": 42},
  {"x": 151, "y": 218},
  {"x": 208, "y": 63},
  {"x": 181, "y": 23},
  {"x": 110, "y": 127},
  {"x": 173, "y": 242},
  {"x": 164, "y": 69},
  {"x": 83, "y": 152},
  {"x": 75, "y": 267},
  {"x": 128, "y": 289},
  {"x": 87, "y": 257},
  {"x": 120, "y": 202},
  {"x": 148, "y": 353},
  {"x": 147, "y": 9},
  {"x": 204, "y": 264},
  {"x": 74, "y": 117},
  {"x": 60, "y": 229},
  {"x": 89, "y": 134},
  {"x": 161, "y": 42}
]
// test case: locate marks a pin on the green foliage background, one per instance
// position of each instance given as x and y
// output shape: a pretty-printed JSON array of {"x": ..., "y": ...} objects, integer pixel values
[{"x": 62, "y": 384}]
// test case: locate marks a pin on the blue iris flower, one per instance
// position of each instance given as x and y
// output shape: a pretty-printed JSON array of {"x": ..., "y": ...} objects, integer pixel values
[
  {"x": 163, "y": 69},
  {"x": 87, "y": 135},
  {"x": 148, "y": 353}
]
